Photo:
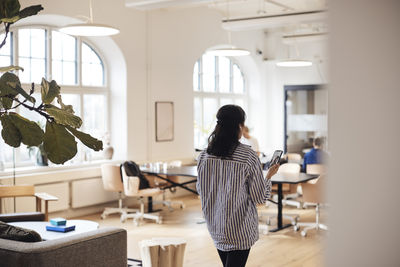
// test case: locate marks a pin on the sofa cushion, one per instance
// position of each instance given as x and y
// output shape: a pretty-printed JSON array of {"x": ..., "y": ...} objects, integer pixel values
[
  {"x": 18, "y": 234},
  {"x": 22, "y": 216}
]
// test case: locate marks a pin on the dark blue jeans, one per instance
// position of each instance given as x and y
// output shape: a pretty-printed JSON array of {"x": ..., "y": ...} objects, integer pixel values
[{"x": 234, "y": 258}]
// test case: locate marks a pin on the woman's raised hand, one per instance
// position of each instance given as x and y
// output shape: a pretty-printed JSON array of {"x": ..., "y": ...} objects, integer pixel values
[{"x": 272, "y": 170}]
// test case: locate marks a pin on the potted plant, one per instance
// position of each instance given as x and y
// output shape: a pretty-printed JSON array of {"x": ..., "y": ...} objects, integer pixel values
[{"x": 57, "y": 140}]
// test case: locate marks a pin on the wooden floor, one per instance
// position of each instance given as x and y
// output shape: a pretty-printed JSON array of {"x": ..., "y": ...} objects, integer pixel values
[{"x": 285, "y": 248}]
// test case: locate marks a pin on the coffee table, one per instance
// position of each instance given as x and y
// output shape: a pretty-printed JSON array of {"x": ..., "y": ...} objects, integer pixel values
[{"x": 81, "y": 226}]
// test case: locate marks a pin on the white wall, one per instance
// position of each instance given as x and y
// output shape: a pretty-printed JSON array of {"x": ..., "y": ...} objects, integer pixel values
[
  {"x": 127, "y": 77},
  {"x": 364, "y": 108},
  {"x": 177, "y": 39},
  {"x": 275, "y": 78},
  {"x": 160, "y": 48}
]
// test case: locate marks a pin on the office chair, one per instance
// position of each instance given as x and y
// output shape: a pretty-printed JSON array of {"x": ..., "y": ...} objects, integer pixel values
[
  {"x": 313, "y": 191},
  {"x": 314, "y": 169},
  {"x": 131, "y": 189},
  {"x": 293, "y": 158},
  {"x": 289, "y": 190},
  {"x": 112, "y": 181}
]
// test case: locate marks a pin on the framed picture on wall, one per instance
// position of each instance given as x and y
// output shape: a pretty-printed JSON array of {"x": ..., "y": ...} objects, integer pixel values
[{"x": 164, "y": 121}]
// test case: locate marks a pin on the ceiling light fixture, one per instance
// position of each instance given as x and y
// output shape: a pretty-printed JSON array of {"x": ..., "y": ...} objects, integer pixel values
[
  {"x": 230, "y": 50},
  {"x": 89, "y": 28},
  {"x": 294, "y": 62}
]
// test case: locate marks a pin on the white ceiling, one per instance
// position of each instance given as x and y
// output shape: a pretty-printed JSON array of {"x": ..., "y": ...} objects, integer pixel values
[{"x": 237, "y": 8}]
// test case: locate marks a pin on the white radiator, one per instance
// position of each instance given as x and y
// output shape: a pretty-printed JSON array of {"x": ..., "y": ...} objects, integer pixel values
[{"x": 90, "y": 192}]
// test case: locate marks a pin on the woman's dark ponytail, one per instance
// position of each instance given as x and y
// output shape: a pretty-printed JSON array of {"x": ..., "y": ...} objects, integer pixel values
[{"x": 224, "y": 139}]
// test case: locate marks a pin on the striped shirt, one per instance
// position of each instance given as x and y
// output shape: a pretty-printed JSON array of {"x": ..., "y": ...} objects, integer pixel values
[{"x": 229, "y": 190}]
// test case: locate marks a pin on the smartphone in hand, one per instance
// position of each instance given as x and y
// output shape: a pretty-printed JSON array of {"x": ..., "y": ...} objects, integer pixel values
[{"x": 276, "y": 157}]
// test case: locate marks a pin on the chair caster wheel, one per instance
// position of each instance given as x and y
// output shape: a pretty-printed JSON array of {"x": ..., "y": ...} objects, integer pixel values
[
  {"x": 159, "y": 221},
  {"x": 123, "y": 219},
  {"x": 296, "y": 228},
  {"x": 303, "y": 234},
  {"x": 103, "y": 217},
  {"x": 135, "y": 222}
]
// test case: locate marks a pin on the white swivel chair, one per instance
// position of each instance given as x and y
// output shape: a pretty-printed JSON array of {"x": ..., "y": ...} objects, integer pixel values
[
  {"x": 314, "y": 169},
  {"x": 289, "y": 190},
  {"x": 131, "y": 189},
  {"x": 112, "y": 181},
  {"x": 313, "y": 191},
  {"x": 294, "y": 158}
]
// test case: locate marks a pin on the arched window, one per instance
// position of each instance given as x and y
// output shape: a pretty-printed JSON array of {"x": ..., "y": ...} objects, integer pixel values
[
  {"x": 217, "y": 81},
  {"x": 75, "y": 65}
]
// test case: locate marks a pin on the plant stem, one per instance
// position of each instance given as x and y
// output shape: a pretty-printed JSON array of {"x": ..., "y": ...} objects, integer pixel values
[{"x": 6, "y": 30}]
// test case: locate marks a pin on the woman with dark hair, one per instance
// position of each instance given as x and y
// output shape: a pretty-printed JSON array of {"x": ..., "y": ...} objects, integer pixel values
[{"x": 230, "y": 183}]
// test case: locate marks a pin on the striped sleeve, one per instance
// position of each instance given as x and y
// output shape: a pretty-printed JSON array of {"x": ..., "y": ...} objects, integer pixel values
[{"x": 259, "y": 187}]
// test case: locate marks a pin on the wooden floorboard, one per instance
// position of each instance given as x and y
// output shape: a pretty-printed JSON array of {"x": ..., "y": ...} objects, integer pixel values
[{"x": 285, "y": 248}]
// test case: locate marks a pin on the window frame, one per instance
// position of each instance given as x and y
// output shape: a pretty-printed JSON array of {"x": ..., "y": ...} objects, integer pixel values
[
  {"x": 201, "y": 94},
  {"x": 78, "y": 88}
]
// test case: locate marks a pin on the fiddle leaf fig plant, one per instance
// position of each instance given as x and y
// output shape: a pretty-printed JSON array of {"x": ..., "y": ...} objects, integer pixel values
[{"x": 58, "y": 137}]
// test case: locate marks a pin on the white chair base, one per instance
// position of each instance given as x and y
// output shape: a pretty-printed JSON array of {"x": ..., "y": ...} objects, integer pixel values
[
  {"x": 292, "y": 217},
  {"x": 170, "y": 204},
  {"x": 120, "y": 210},
  {"x": 309, "y": 226},
  {"x": 140, "y": 215}
]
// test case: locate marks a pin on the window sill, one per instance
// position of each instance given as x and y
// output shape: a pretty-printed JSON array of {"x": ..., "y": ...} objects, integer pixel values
[{"x": 37, "y": 170}]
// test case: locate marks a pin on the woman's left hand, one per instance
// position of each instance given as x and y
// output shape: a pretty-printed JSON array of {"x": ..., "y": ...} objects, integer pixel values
[{"x": 272, "y": 170}]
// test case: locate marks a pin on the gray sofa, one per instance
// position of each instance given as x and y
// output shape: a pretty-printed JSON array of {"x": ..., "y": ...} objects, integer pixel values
[{"x": 101, "y": 247}]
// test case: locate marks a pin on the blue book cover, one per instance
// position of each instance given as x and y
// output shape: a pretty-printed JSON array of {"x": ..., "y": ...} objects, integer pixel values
[
  {"x": 58, "y": 221},
  {"x": 61, "y": 228}
]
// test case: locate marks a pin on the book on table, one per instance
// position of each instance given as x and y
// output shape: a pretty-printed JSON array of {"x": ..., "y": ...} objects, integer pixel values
[
  {"x": 60, "y": 228},
  {"x": 58, "y": 221}
]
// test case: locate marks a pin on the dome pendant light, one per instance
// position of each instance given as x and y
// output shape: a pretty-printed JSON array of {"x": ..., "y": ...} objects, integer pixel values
[
  {"x": 89, "y": 28},
  {"x": 230, "y": 50},
  {"x": 294, "y": 62}
]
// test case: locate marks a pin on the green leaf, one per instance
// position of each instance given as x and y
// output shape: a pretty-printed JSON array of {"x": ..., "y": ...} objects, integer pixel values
[
  {"x": 6, "y": 102},
  {"x": 49, "y": 91},
  {"x": 5, "y": 88},
  {"x": 10, "y": 132},
  {"x": 21, "y": 91},
  {"x": 9, "y": 8},
  {"x": 87, "y": 140},
  {"x": 10, "y": 68},
  {"x": 63, "y": 117},
  {"x": 26, "y": 12},
  {"x": 58, "y": 143},
  {"x": 30, "y": 11},
  {"x": 67, "y": 108},
  {"x": 31, "y": 133}
]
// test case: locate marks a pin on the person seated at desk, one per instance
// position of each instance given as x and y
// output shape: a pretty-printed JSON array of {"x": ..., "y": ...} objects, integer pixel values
[
  {"x": 250, "y": 140},
  {"x": 316, "y": 155}
]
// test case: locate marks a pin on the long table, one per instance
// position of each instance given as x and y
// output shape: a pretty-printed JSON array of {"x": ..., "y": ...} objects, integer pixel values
[
  {"x": 188, "y": 171},
  {"x": 191, "y": 171}
]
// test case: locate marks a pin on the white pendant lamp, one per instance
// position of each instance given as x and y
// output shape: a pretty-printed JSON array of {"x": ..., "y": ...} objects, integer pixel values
[
  {"x": 89, "y": 28},
  {"x": 230, "y": 50},
  {"x": 294, "y": 62}
]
